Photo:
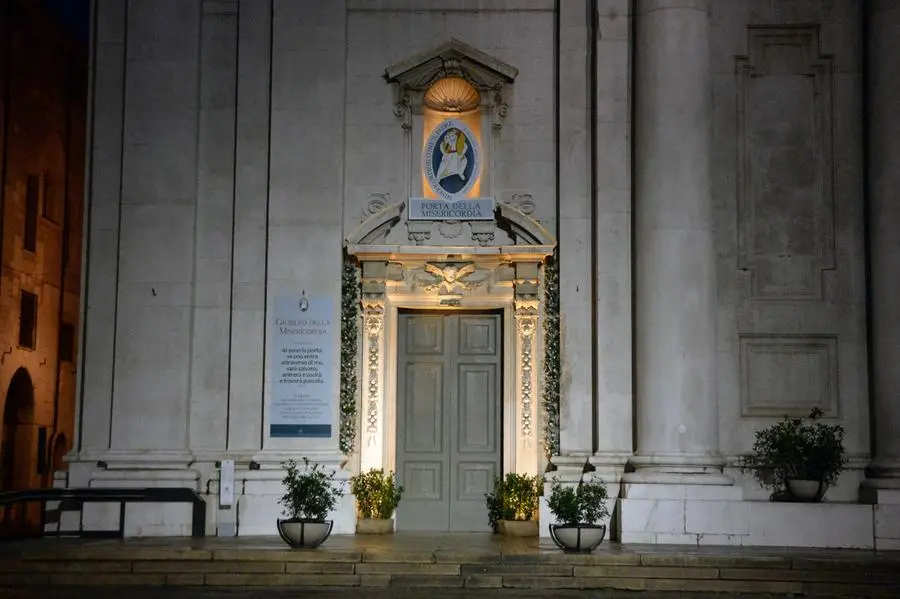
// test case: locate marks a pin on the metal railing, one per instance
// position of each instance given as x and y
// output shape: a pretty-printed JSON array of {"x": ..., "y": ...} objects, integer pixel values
[{"x": 16, "y": 524}]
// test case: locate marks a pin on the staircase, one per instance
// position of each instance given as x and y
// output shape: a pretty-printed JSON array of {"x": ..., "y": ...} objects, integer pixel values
[{"x": 351, "y": 562}]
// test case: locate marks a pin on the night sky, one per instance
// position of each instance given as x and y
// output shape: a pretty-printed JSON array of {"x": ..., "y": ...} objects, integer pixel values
[{"x": 74, "y": 14}]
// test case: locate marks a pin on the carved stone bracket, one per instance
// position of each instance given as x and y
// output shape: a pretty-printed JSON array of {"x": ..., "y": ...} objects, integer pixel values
[
  {"x": 419, "y": 231},
  {"x": 373, "y": 323},
  {"x": 483, "y": 231},
  {"x": 526, "y": 314}
]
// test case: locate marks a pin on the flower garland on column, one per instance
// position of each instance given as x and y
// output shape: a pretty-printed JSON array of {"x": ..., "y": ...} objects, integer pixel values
[
  {"x": 551, "y": 357},
  {"x": 350, "y": 316}
]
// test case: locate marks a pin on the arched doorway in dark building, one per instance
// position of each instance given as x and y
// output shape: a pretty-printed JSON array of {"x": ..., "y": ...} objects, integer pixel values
[
  {"x": 17, "y": 451},
  {"x": 18, "y": 430}
]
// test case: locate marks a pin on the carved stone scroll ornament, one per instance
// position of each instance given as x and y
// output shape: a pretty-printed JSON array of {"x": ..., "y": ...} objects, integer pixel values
[
  {"x": 526, "y": 324},
  {"x": 403, "y": 111},
  {"x": 373, "y": 321},
  {"x": 376, "y": 203},
  {"x": 500, "y": 108}
]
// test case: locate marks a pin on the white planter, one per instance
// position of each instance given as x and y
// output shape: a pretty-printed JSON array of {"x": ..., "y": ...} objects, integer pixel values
[
  {"x": 806, "y": 490},
  {"x": 581, "y": 538},
  {"x": 375, "y": 526},
  {"x": 303, "y": 534},
  {"x": 518, "y": 528}
]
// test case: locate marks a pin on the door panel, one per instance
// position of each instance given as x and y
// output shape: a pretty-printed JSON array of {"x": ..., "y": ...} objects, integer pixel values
[
  {"x": 448, "y": 419},
  {"x": 478, "y": 336},
  {"x": 425, "y": 335},
  {"x": 477, "y": 391},
  {"x": 423, "y": 481},
  {"x": 424, "y": 411}
]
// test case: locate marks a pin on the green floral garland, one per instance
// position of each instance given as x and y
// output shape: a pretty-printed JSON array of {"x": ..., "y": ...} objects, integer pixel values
[
  {"x": 551, "y": 358},
  {"x": 350, "y": 315}
]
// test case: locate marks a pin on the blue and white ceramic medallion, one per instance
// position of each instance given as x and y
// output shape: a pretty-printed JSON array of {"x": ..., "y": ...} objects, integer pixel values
[{"x": 452, "y": 160}]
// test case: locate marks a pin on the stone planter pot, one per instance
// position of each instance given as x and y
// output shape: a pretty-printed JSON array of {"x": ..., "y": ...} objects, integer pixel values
[
  {"x": 581, "y": 538},
  {"x": 518, "y": 528},
  {"x": 806, "y": 490},
  {"x": 375, "y": 526},
  {"x": 304, "y": 534}
]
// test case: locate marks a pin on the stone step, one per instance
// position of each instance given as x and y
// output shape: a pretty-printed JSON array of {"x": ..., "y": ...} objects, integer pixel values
[{"x": 876, "y": 576}]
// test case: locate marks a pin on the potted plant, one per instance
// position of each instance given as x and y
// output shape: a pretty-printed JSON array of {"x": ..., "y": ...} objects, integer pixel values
[
  {"x": 513, "y": 505},
  {"x": 577, "y": 510},
  {"x": 308, "y": 497},
  {"x": 377, "y": 496},
  {"x": 798, "y": 461}
]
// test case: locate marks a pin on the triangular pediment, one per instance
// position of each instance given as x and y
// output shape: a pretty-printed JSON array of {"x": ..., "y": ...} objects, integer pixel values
[{"x": 452, "y": 58}]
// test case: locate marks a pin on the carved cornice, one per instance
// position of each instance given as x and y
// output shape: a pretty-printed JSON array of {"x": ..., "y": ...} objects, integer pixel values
[{"x": 451, "y": 59}]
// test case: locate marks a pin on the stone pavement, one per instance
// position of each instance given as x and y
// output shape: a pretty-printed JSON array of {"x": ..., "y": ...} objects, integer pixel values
[
  {"x": 358, "y": 593},
  {"x": 450, "y": 565}
]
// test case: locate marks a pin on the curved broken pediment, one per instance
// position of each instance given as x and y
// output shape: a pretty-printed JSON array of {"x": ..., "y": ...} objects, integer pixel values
[
  {"x": 527, "y": 234},
  {"x": 376, "y": 227},
  {"x": 521, "y": 226}
]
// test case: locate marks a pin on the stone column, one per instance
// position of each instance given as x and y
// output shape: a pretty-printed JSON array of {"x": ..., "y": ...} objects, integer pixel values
[
  {"x": 884, "y": 229},
  {"x": 675, "y": 277}
]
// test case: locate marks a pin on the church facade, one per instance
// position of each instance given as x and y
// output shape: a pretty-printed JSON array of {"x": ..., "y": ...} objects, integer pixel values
[{"x": 458, "y": 239}]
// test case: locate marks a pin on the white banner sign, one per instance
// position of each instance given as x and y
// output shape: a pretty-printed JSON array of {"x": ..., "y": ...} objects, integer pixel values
[{"x": 303, "y": 375}]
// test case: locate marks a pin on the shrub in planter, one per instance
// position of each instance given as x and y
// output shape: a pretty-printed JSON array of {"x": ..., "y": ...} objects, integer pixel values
[
  {"x": 513, "y": 505},
  {"x": 377, "y": 497},
  {"x": 309, "y": 495},
  {"x": 578, "y": 510},
  {"x": 798, "y": 461}
]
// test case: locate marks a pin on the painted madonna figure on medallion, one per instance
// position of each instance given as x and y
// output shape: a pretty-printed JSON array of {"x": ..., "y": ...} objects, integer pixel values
[{"x": 452, "y": 160}]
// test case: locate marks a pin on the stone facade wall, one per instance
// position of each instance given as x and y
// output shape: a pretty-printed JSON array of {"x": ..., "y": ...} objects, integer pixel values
[
  {"x": 522, "y": 154},
  {"x": 787, "y": 184},
  {"x": 235, "y": 152}
]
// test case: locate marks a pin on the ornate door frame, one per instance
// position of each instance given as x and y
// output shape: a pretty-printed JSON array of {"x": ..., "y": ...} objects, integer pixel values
[{"x": 504, "y": 278}]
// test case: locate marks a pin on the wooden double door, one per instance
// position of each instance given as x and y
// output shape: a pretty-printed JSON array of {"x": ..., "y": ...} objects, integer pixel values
[{"x": 449, "y": 418}]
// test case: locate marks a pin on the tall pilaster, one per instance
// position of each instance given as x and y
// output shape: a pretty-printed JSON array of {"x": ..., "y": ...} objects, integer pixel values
[
  {"x": 675, "y": 278},
  {"x": 105, "y": 126},
  {"x": 575, "y": 226},
  {"x": 884, "y": 229},
  {"x": 372, "y": 439},
  {"x": 526, "y": 314},
  {"x": 248, "y": 289}
]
